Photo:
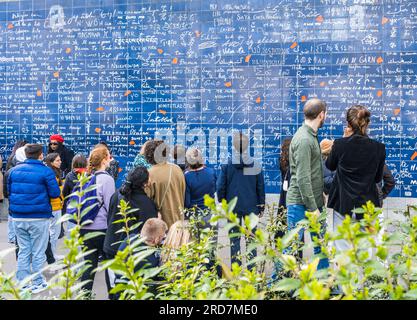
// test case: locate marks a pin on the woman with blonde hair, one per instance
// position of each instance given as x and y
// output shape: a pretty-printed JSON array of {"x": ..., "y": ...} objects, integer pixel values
[{"x": 178, "y": 235}]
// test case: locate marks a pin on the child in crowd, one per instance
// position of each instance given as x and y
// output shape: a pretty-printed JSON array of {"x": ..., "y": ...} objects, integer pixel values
[{"x": 153, "y": 233}]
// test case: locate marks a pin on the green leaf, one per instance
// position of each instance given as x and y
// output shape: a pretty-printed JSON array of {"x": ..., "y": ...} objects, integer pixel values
[
  {"x": 91, "y": 235},
  {"x": 287, "y": 284},
  {"x": 231, "y": 205},
  {"x": 412, "y": 294},
  {"x": 289, "y": 236}
]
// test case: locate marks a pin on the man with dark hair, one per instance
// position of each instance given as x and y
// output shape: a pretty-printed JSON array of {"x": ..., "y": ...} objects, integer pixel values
[
  {"x": 179, "y": 156},
  {"x": 242, "y": 177},
  {"x": 305, "y": 192},
  {"x": 30, "y": 186}
]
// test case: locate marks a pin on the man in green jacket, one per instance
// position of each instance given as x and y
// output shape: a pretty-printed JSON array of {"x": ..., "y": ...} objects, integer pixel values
[{"x": 305, "y": 192}]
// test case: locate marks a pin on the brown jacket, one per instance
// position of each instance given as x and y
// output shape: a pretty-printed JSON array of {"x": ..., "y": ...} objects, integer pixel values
[{"x": 169, "y": 199}]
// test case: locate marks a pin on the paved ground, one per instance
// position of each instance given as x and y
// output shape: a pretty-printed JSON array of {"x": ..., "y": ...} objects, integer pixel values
[{"x": 391, "y": 206}]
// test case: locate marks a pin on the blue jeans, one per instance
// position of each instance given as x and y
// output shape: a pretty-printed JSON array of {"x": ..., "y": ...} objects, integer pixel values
[
  {"x": 54, "y": 230},
  {"x": 11, "y": 235},
  {"x": 32, "y": 237},
  {"x": 296, "y": 213}
]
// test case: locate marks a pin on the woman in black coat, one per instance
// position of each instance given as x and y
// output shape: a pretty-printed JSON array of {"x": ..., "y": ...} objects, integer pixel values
[
  {"x": 359, "y": 164},
  {"x": 132, "y": 191},
  {"x": 56, "y": 144}
]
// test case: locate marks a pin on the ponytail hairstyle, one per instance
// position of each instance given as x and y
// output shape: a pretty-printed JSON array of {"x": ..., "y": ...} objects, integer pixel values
[
  {"x": 96, "y": 158},
  {"x": 136, "y": 180},
  {"x": 358, "y": 118},
  {"x": 48, "y": 160}
]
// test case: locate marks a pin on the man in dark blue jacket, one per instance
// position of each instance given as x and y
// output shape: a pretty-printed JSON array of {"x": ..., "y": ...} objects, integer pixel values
[
  {"x": 31, "y": 184},
  {"x": 243, "y": 178}
]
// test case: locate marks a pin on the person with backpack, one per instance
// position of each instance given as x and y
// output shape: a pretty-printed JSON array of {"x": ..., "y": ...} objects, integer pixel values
[
  {"x": 31, "y": 185},
  {"x": 53, "y": 161},
  {"x": 133, "y": 192},
  {"x": 98, "y": 162}
]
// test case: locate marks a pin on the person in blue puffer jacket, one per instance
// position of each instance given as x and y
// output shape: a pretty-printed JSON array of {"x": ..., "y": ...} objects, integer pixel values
[
  {"x": 243, "y": 178},
  {"x": 31, "y": 185}
]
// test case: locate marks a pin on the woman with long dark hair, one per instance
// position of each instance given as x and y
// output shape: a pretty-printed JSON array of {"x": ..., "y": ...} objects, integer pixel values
[
  {"x": 359, "y": 164},
  {"x": 133, "y": 192},
  {"x": 53, "y": 161},
  {"x": 284, "y": 168}
]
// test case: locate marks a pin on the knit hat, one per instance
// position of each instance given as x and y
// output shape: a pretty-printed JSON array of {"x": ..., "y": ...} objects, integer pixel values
[
  {"x": 56, "y": 137},
  {"x": 20, "y": 154},
  {"x": 326, "y": 146}
]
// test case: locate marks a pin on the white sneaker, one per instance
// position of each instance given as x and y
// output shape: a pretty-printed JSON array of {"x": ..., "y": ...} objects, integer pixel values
[{"x": 39, "y": 288}]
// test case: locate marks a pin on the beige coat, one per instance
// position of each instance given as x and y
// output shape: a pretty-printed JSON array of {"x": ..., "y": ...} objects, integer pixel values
[
  {"x": 169, "y": 199},
  {"x": 1, "y": 180}
]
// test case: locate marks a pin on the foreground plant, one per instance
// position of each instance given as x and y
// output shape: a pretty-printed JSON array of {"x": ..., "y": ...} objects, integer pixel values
[{"x": 135, "y": 282}]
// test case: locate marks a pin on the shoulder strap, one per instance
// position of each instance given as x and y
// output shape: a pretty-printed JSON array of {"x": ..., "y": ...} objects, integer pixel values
[
  {"x": 97, "y": 174},
  {"x": 166, "y": 189}
]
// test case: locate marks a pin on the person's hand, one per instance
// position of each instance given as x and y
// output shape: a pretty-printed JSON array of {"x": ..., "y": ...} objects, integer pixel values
[{"x": 347, "y": 132}]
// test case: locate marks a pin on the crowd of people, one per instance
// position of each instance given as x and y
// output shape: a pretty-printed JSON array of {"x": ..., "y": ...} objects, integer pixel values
[{"x": 341, "y": 174}]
